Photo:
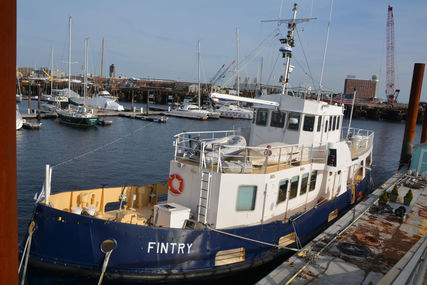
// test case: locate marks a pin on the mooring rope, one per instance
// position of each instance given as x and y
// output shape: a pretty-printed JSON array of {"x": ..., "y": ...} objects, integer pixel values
[
  {"x": 104, "y": 266},
  {"x": 100, "y": 147},
  {"x": 31, "y": 229},
  {"x": 249, "y": 239}
]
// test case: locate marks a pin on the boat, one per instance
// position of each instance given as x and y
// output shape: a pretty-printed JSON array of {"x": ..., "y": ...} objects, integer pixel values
[
  {"x": 77, "y": 116},
  {"x": 207, "y": 221},
  {"x": 235, "y": 112},
  {"x": 19, "y": 120},
  {"x": 98, "y": 102}
]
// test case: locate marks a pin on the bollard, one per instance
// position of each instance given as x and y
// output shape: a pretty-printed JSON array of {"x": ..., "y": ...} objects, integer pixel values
[{"x": 411, "y": 118}]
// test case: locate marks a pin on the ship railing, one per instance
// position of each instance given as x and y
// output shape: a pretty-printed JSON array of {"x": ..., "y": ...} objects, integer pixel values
[
  {"x": 359, "y": 140},
  {"x": 192, "y": 148}
]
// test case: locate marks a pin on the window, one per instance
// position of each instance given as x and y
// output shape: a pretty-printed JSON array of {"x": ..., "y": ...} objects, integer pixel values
[
  {"x": 319, "y": 123},
  {"x": 304, "y": 183},
  {"x": 294, "y": 187},
  {"x": 246, "y": 197},
  {"x": 334, "y": 123},
  {"x": 308, "y": 125},
  {"x": 338, "y": 123},
  {"x": 326, "y": 126},
  {"x": 332, "y": 157},
  {"x": 261, "y": 117},
  {"x": 313, "y": 180},
  {"x": 277, "y": 119},
  {"x": 330, "y": 123},
  {"x": 283, "y": 189},
  {"x": 293, "y": 121}
]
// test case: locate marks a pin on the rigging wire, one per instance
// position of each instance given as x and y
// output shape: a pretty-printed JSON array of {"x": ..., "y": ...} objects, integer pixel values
[
  {"x": 305, "y": 57},
  {"x": 326, "y": 46},
  {"x": 83, "y": 155}
]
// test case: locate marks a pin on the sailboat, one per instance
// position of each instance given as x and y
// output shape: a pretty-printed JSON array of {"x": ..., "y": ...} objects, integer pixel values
[
  {"x": 77, "y": 116},
  {"x": 215, "y": 215},
  {"x": 19, "y": 120},
  {"x": 193, "y": 111}
]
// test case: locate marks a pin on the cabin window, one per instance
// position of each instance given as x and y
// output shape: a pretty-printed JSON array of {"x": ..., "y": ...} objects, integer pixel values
[
  {"x": 294, "y": 187},
  {"x": 330, "y": 123},
  {"x": 334, "y": 123},
  {"x": 308, "y": 125},
  {"x": 261, "y": 117},
  {"x": 326, "y": 126},
  {"x": 246, "y": 197},
  {"x": 283, "y": 189},
  {"x": 293, "y": 121},
  {"x": 338, "y": 123},
  {"x": 304, "y": 183},
  {"x": 332, "y": 157},
  {"x": 319, "y": 123},
  {"x": 277, "y": 119},
  {"x": 313, "y": 180}
]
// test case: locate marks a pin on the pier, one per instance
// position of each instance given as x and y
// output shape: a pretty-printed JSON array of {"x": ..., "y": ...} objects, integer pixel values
[{"x": 371, "y": 244}]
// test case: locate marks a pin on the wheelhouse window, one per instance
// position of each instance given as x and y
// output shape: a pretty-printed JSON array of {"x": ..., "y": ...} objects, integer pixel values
[
  {"x": 293, "y": 121},
  {"x": 308, "y": 125},
  {"x": 261, "y": 117},
  {"x": 283, "y": 189},
  {"x": 304, "y": 183},
  {"x": 313, "y": 180},
  {"x": 332, "y": 157},
  {"x": 294, "y": 187},
  {"x": 334, "y": 124},
  {"x": 277, "y": 119},
  {"x": 330, "y": 123},
  {"x": 326, "y": 126},
  {"x": 319, "y": 123},
  {"x": 338, "y": 123},
  {"x": 246, "y": 197}
]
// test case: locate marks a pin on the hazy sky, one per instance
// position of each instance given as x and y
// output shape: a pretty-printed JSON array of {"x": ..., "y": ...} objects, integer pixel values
[{"x": 158, "y": 38}]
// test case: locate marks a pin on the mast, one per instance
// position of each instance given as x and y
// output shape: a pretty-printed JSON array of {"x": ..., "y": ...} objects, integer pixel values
[
  {"x": 102, "y": 65},
  {"x": 51, "y": 71},
  {"x": 324, "y": 53},
  {"x": 69, "y": 57},
  {"x": 85, "y": 71},
  {"x": 237, "y": 63},
  {"x": 198, "y": 71}
]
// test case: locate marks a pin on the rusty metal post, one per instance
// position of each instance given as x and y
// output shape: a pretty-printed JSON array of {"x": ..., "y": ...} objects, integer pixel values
[
  {"x": 411, "y": 118},
  {"x": 8, "y": 199},
  {"x": 424, "y": 132}
]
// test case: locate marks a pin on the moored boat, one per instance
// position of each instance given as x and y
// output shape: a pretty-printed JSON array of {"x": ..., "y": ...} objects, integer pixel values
[{"x": 212, "y": 217}]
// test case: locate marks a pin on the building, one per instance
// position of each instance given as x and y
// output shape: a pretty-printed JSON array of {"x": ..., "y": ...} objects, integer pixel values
[
  {"x": 366, "y": 89},
  {"x": 113, "y": 71}
]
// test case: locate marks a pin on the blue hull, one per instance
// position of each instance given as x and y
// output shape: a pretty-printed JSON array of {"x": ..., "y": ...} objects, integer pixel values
[{"x": 66, "y": 246}]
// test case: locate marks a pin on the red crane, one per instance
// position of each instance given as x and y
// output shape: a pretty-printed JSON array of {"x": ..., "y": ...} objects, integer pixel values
[{"x": 390, "y": 92}]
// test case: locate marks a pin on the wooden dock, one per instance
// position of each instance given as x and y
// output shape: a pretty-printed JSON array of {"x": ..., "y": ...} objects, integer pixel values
[{"x": 368, "y": 245}]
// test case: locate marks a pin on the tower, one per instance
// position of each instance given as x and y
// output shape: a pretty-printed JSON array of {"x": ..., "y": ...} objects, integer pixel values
[{"x": 390, "y": 87}]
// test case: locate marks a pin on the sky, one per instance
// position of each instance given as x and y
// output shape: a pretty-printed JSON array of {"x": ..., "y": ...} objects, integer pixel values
[{"x": 158, "y": 38}]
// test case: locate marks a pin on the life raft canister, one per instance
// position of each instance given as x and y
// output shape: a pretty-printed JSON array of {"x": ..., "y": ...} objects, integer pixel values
[{"x": 177, "y": 190}]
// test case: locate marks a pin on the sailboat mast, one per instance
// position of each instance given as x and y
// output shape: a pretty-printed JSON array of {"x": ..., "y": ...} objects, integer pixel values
[
  {"x": 102, "y": 65},
  {"x": 237, "y": 64},
  {"x": 51, "y": 71},
  {"x": 69, "y": 56},
  {"x": 290, "y": 40},
  {"x": 198, "y": 72},
  {"x": 85, "y": 71}
]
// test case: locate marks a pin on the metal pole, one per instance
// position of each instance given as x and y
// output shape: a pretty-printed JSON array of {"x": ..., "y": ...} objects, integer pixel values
[
  {"x": 411, "y": 118},
  {"x": 198, "y": 73},
  {"x": 351, "y": 112},
  {"x": 8, "y": 200},
  {"x": 69, "y": 57}
]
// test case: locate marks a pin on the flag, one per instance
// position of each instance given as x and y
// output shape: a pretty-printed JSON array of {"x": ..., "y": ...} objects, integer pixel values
[{"x": 347, "y": 99}]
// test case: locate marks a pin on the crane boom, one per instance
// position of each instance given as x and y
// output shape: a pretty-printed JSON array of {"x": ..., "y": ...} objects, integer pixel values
[
  {"x": 216, "y": 74},
  {"x": 390, "y": 66},
  {"x": 50, "y": 77}
]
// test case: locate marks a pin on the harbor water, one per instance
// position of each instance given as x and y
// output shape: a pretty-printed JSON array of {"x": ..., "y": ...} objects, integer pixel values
[{"x": 135, "y": 152}]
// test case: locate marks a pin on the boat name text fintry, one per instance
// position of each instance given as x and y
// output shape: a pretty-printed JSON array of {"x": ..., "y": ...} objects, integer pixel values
[{"x": 165, "y": 247}]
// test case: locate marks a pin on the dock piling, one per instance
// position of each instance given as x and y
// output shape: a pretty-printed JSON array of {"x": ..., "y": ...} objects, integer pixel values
[
  {"x": 411, "y": 118},
  {"x": 39, "y": 95}
]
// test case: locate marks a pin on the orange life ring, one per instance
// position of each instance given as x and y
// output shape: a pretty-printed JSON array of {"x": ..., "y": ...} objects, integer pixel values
[
  {"x": 181, "y": 183},
  {"x": 267, "y": 151}
]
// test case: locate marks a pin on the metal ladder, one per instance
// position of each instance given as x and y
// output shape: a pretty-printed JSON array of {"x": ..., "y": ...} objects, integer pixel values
[{"x": 202, "y": 207}]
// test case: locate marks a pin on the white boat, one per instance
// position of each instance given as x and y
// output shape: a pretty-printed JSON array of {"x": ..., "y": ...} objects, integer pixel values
[
  {"x": 19, "y": 120},
  {"x": 101, "y": 103},
  {"x": 235, "y": 112},
  {"x": 106, "y": 95},
  {"x": 189, "y": 111},
  {"x": 210, "y": 220}
]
